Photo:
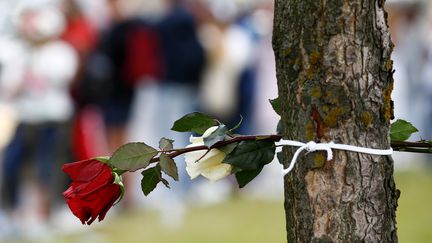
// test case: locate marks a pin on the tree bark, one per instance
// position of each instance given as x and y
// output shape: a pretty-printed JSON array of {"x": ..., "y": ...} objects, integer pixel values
[{"x": 335, "y": 79}]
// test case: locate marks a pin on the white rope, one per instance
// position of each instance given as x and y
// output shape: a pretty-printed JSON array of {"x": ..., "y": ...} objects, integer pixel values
[{"x": 312, "y": 146}]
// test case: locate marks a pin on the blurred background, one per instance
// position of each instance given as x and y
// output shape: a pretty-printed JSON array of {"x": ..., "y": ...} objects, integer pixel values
[{"x": 78, "y": 78}]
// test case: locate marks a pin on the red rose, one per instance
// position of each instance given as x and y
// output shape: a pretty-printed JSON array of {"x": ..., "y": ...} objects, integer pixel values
[{"x": 92, "y": 192}]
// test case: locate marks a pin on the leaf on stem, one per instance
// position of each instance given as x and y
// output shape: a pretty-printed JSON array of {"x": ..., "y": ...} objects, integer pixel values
[
  {"x": 168, "y": 166},
  {"x": 275, "y": 103},
  {"x": 401, "y": 130},
  {"x": 151, "y": 178},
  {"x": 166, "y": 144},
  {"x": 227, "y": 149},
  {"x": 194, "y": 122},
  {"x": 132, "y": 156},
  {"x": 251, "y": 155},
  {"x": 280, "y": 127},
  {"x": 279, "y": 156},
  {"x": 165, "y": 182},
  {"x": 245, "y": 176}
]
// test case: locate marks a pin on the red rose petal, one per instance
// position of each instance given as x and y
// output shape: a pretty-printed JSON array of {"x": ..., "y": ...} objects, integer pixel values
[
  {"x": 79, "y": 209},
  {"x": 85, "y": 188},
  {"x": 85, "y": 170},
  {"x": 92, "y": 192}
]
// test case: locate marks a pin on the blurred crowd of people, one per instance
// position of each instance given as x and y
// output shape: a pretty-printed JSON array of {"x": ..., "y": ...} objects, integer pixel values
[{"x": 79, "y": 78}]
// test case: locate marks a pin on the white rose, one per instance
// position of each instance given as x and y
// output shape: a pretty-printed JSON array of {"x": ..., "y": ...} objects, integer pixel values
[{"x": 210, "y": 166}]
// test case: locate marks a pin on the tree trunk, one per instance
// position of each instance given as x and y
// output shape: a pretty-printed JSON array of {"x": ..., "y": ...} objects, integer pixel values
[{"x": 335, "y": 79}]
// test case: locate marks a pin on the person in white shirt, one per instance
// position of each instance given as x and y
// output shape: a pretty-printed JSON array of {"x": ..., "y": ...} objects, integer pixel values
[{"x": 39, "y": 94}]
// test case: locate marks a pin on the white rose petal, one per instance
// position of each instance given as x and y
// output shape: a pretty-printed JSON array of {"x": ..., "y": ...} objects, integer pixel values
[
  {"x": 196, "y": 140},
  {"x": 193, "y": 172},
  {"x": 210, "y": 165},
  {"x": 217, "y": 172},
  {"x": 209, "y": 131}
]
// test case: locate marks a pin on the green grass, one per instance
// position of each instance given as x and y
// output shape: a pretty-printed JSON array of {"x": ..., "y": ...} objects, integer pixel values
[
  {"x": 250, "y": 221},
  {"x": 235, "y": 221},
  {"x": 414, "y": 215}
]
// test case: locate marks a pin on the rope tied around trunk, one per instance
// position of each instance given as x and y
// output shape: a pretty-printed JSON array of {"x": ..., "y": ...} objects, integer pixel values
[{"x": 328, "y": 147}]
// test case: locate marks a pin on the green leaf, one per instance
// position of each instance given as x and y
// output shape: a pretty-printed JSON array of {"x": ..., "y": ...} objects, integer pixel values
[
  {"x": 151, "y": 177},
  {"x": 227, "y": 149},
  {"x": 275, "y": 103},
  {"x": 251, "y": 155},
  {"x": 166, "y": 144},
  {"x": 168, "y": 166},
  {"x": 218, "y": 135},
  {"x": 245, "y": 176},
  {"x": 401, "y": 130},
  {"x": 132, "y": 156},
  {"x": 280, "y": 127},
  {"x": 165, "y": 182},
  {"x": 194, "y": 122},
  {"x": 279, "y": 156}
]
